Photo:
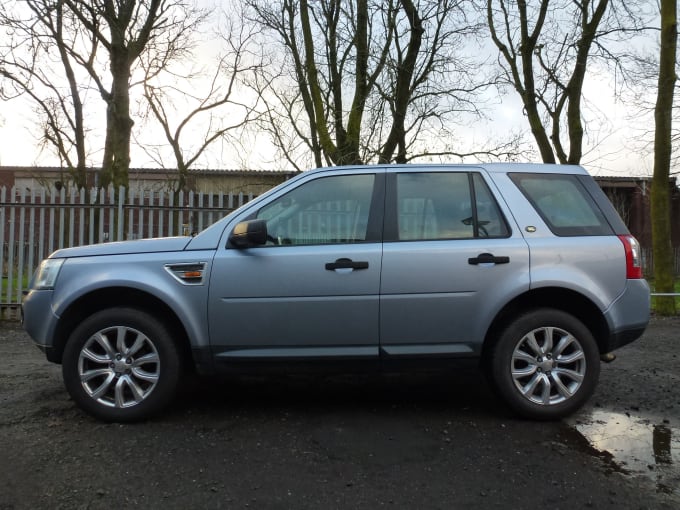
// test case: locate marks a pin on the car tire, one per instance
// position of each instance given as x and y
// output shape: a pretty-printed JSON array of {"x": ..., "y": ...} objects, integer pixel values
[
  {"x": 121, "y": 365},
  {"x": 545, "y": 364}
]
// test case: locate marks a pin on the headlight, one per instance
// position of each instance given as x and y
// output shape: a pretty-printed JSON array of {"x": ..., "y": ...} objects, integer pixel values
[{"x": 46, "y": 275}]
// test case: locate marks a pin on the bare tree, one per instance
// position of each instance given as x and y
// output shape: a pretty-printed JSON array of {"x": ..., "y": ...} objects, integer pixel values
[
  {"x": 365, "y": 80},
  {"x": 125, "y": 30},
  {"x": 103, "y": 40},
  {"x": 661, "y": 210},
  {"x": 545, "y": 50},
  {"x": 52, "y": 84},
  {"x": 215, "y": 106},
  {"x": 429, "y": 83}
]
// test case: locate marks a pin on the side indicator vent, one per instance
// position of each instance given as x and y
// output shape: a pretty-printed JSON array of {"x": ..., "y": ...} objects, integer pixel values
[{"x": 187, "y": 273}]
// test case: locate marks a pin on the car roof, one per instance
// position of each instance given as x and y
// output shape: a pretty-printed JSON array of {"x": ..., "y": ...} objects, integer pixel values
[{"x": 489, "y": 167}]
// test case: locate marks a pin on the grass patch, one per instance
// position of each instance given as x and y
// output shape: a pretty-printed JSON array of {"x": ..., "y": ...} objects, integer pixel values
[
  {"x": 677, "y": 298},
  {"x": 5, "y": 289}
]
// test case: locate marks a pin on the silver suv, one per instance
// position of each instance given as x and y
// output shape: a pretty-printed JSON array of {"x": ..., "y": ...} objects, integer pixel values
[{"x": 526, "y": 269}]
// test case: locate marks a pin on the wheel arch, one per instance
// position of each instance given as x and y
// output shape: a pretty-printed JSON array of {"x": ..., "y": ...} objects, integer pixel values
[
  {"x": 111, "y": 297},
  {"x": 566, "y": 300}
]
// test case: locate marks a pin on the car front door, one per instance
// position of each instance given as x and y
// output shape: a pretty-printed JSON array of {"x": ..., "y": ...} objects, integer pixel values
[
  {"x": 313, "y": 290},
  {"x": 451, "y": 260}
]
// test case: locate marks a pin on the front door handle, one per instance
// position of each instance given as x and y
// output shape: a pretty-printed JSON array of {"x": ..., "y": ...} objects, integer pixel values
[
  {"x": 488, "y": 258},
  {"x": 346, "y": 264}
]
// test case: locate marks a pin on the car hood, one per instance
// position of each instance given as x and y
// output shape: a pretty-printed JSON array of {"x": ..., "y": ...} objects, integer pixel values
[{"x": 124, "y": 247}]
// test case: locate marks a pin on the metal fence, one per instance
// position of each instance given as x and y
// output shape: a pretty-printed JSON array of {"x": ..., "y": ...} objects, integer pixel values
[
  {"x": 34, "y": 224},
  {"x": 648, "y": 262}
]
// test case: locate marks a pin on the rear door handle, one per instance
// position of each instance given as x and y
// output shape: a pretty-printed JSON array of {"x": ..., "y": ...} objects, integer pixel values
[
  {"x": 488, "y": 258},
  {"x": 346, "y": 264}
]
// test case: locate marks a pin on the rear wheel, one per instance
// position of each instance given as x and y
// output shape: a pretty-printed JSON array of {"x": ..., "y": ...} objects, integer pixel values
[
  {"x": 545, "y": 364},
  {"x": 121, "y": 364}
]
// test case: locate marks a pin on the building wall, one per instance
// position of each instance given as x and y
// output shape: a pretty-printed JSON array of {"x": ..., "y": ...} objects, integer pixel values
[
  {"x": 632, "y": 199},
  {"x": 218, "y": 181}
]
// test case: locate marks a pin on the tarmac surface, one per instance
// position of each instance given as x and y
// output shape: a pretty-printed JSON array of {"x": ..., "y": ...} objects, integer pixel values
[{"x": 425, "y": 441}]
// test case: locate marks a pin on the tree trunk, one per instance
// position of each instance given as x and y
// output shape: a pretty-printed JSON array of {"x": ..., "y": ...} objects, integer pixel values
[
  {"x": 116, "y": 163},
  {"x": 404, "y": 76},
  {"x": 523, "y": 79},
  {"x": 661, "y": 225}
]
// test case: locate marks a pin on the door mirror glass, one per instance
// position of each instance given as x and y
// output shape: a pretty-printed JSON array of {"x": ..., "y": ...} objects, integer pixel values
[{"x": 249, "y": 233}]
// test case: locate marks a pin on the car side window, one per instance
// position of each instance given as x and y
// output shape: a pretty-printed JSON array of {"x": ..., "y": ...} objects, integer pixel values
[
  {"x": 328, "y": 210},
  {"x": 446, "y": 205},
  {"x": 563, "y": 203}
]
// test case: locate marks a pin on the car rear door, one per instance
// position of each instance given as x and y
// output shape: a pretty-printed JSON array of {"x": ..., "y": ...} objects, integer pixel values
[{"x": 452, "y": 258}]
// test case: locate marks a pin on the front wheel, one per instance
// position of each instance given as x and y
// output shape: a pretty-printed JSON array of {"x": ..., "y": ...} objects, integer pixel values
[
  {"x": 545, "y": 364},
  {"x": 121, "y": 365}
]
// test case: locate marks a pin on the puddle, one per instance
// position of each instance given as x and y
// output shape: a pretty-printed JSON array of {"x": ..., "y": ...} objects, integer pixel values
[{"x": 639, "y": 446}]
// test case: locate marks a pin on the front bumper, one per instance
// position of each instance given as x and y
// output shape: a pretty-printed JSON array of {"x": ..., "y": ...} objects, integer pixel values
[{"x": 39, "y": 321}]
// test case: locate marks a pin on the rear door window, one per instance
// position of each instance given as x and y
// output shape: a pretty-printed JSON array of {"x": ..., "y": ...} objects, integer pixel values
[
  {"x": 442, "y": 205},
  {"x": 563, "y": 203}
]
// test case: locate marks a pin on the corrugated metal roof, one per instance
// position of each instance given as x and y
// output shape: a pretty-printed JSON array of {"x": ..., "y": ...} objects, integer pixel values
[{"x": 47, "y": 169}]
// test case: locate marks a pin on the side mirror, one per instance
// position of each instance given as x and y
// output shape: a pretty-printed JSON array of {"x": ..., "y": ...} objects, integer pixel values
[{"x": 249, "y": 233}]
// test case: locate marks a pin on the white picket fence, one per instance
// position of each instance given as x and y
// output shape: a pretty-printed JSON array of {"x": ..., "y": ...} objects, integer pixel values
[{"x": 34, "y": 224}]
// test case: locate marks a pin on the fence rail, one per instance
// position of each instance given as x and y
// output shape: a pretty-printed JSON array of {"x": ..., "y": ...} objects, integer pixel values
[{"x": 34, "y": 224}]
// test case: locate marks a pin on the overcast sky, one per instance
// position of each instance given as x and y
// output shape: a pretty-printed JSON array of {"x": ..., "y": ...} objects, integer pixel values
[
  {"x": 613, "y": 145},
  {"x": 618, "y": 152}
]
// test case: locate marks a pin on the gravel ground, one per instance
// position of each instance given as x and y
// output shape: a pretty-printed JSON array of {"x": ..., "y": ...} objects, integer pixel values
[{"x": 345, "y": 442}]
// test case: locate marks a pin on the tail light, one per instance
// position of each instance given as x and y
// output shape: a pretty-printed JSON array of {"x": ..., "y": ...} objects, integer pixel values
[{"x": 633, "y": 257}]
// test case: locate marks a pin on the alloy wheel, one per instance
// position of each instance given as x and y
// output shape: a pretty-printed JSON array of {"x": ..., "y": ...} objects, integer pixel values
[
  {"x": 119, "y": 367},
  {"x": 548, "y": 366}
]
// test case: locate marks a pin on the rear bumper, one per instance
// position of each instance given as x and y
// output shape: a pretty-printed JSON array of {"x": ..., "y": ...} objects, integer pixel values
[
  {"x": 622, "y": 338},
  {"x": 628, "y": 316}
]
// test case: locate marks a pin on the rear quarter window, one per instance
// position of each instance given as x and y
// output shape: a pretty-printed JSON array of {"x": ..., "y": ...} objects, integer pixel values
[{"x": 563, "y": 203}]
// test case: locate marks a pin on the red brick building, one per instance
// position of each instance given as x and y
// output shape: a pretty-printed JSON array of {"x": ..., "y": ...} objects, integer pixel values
[{"x": 631, "y": 196}]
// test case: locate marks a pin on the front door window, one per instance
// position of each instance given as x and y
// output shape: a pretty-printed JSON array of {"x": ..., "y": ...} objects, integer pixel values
[{"x": 331, "y": 210}]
